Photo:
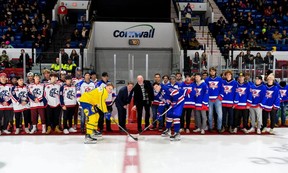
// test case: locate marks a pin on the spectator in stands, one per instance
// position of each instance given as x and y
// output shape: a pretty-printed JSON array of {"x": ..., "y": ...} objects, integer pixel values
[
  {"x": 242, "y": 5},
  {"x": 258, "y": 59},
  {"x": 196, "y": 61},
  {"x": 262, "y": 37},
  {"x": 4, "y": 38},
  {"x": 194, "y": 44},
  {"x": 10, "y": 33},
  {"x": 4, "y": 60},
  {"x": 250, "y": 23},
  {"x": 274, "y": 24},
  {"x": 64, "y": 56},
  {"x": 204, "y": 61},
  {"x": 76, "y": 35},
  {"x": 84, "y": 33},
  {"x": 25, "y": 55},
  {"x": 245, "y": 36},
  {"x": 277, "y": 36},
  {"x": 263, "y": 23},
  {"x": 229, "y": 35},
  {"x": 284, "y": 36},
  {"x": 268, "y": 11},
  {"x": 248, "y": 58},
  {"x": 285, "y": 17},
  {"x": 62, "y": 13},
  {"x": 268, "y": 60},
  {"x": 239, "y": 57},
  {"x": 8, "y": 45},
  {"x": 188, "y": 11},
  {"x": 75, "y": 57},
  {"x": 234, "y": 26},
  {"x": 26, "y": 35},
  {"x": 252, "y": 44},
  {"x": 39, "y": 42},
  {"x": 252, "y": 35}
]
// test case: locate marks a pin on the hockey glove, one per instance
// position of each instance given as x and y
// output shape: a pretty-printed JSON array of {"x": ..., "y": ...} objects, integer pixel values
[{"x": 107, "y": 115}]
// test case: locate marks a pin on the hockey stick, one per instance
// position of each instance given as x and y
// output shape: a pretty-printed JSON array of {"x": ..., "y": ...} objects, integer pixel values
[
  {"x": 136, "y": 139},
  {"x": 153, "y": 122}
]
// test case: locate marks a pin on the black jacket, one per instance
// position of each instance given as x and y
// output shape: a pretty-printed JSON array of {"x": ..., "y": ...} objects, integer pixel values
[
  {"x": 122, "y": 98},
  {"x": 138, "y": 97}
]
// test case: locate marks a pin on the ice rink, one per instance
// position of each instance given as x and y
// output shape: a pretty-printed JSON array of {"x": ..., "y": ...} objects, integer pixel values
[{"x": 119, "y": 154}]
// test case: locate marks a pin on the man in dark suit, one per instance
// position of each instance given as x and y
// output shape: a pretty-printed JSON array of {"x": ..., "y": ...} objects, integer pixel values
[
  {"x": 121, "y": 102},
  {"x": 143, "y": 97}
]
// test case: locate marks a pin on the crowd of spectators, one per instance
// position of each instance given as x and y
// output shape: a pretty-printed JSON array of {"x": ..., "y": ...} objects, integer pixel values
[{"x": 253, "y": 25}]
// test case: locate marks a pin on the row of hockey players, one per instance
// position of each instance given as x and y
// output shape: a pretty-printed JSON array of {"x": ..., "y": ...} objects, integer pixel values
[
  {"x": 47, "y": 99},
  {"x": 227, "y": 101}
]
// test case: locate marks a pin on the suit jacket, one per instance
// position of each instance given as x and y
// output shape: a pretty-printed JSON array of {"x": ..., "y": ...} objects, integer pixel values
[
  {"x": 138, "y": 96},
  {"x": 122, "y": 98}
]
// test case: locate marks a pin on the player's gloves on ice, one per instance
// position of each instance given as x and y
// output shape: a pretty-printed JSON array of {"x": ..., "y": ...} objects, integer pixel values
[{"x": 107, "y": 115}]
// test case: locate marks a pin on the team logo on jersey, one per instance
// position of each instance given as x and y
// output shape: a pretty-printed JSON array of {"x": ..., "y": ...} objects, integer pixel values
[
  {"x": 213, "y": 85},
  {"x": 198, "y": 91},
  {"x": 22, "y": 95},
  {"x": 255, "y": 93},
  {"x": 4, "y": 94},
  {"x": 37, "y": 92},
  {"x": 70, "y": 95},
  {"x": 269, "y": 94},
  {"x": 283, "y": 93},
  {"x": 87, "y": 89},
  {"x": 227, "y": 88},
  {"x": 241, "y": 91},
  {"x": 53, "y": 92}
]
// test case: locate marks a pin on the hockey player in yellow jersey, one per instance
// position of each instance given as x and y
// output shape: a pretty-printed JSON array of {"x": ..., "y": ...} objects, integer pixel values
[{"x": 91, "y": 103}]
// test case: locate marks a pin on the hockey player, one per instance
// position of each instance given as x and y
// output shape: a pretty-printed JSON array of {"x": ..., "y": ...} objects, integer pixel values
[
  {"x": 53, "y": 108},
  {"x": 6, "y": 106},
  {"x": 189, "y": 103},
  {"x": 270, "y": 103},
  {"x": 228, "y": 92},
  {"x": 165, "y": 80},
  {"x": 92, "y": 103},
  {"x": 61, "y": 80},
  {"x": 173, "y": 82},
  {"x": 175, "y": 98},
  {"x": 109, "y": 102},
  {"x": 258, "y": 91},
  {"x": 75, "y": 81},
  {"x": 83, "y": 86},
  {"x": 201, "y": 103},
  {"x": 37, "y": 103},
  {"x": 21, "y": 105},
  {"x": 155, "y": 105},
  {"x": 214, "y": 87},
  {"x": 283, "y": 88},
  {"x": 46, "y": 75},
  {"x": 68, "y": 103},
  {"x": 242, "y": 103}
]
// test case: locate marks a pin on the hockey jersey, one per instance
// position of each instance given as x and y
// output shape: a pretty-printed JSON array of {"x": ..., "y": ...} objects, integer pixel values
[
  {"x": 228, "y": 93},
  {"x": 283, "y": 93},
  {"x": 68, "y": 95},
  {"x": 170, "y": 85},
  {"x": 242, "y": 96},
  {"x": 111, "y": 97},
  {"x": 271, "y": 99},
  {"x": 83, "y": 87},
  {"x": 257, "y": 94},
  {"x": 51, "y": 94},
  {"x": 75, "y": 81},
  {"x": 189, "y": 98},
  {"x": 36, "y": 91},
  {"x": 20, "y": 95},
  {"x": 214, "y": 87},
  {"x": 201, "y": 96},
  {"x": 5, "y": 96},
  {"x": 176, "y": 96}
]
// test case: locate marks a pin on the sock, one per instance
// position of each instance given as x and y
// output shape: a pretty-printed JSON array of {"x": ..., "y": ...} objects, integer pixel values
[
  {"x": 176, "y": 125},
  {"x": 169, "y": 123}
]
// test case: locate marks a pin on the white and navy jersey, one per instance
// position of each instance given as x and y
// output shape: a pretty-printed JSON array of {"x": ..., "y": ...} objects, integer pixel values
[
  {"x": 68, "y": 95},
  {"x": 189, "y": 98},
  {"x": 20, "y": 95},
  {"x": 51, "y": 94},
  {"x": 228, "y": 93},
  {"x": 258, "y": 93},
  {"x": 83, "y": 87},
  {"x": 60, "y": 82},
  {"x": 101, "y": 83},
  {"x": 201, "y": 96},
  {"x": 283, "y": 93},
  {"x": 75, "y": 81},
  {"x": 36, "y": 91},
  {"x": 272, "y": 98},
  {"x": 5, "y": 96},
  {"x": 215, "y": 87},
  {"x": 243, "y": 96}
]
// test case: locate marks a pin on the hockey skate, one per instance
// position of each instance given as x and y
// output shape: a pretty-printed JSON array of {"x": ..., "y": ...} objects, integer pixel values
[
  {"x": 166, "y": 133},
  {"x": 89, "y": 140},
  {"x": 175, "y": 137},
  {"x": 97, "y": 135}
]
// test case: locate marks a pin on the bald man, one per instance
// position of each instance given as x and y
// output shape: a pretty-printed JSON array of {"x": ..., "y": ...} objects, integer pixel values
[{"x": 143, "y": 97}]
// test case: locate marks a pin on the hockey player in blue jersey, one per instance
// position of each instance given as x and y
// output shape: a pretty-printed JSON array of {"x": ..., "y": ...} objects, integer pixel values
[
  {"x": 258, "y": 91},
  {"x": 270, "y": 103},
  {"x": 242, "y": 104},
  {"x": 283, "y": 88},
  {"x": 175, "y": 98},
  {"x": 227, "y": 96},
  {"x": 215, "y": 86}
]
